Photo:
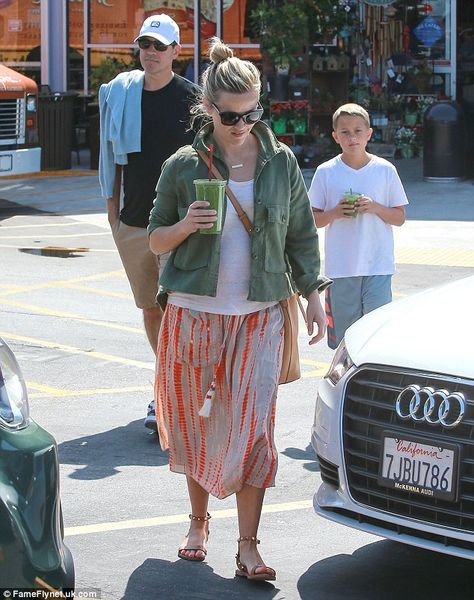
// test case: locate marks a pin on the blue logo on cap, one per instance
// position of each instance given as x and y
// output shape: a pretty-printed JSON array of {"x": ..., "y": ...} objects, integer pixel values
[{"x": 155, "y": 24}]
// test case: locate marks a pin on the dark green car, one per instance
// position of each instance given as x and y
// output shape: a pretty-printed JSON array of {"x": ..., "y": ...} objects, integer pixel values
[{"x": 32, "y": 549}]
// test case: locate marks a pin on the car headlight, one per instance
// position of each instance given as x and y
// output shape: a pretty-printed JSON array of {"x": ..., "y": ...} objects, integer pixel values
[
  {"x": 31, "y": 103},
  {"x": 14, "y": 409},
  {"x": 341, "y": 363}
]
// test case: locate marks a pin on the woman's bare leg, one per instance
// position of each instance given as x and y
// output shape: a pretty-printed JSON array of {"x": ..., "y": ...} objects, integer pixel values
[
  {"x": 197, "y": 534},
  {"x": 249, "y": 508}
]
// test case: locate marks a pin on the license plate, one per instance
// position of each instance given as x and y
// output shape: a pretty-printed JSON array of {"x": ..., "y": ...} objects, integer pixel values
[{"x": 420, "y": 466}]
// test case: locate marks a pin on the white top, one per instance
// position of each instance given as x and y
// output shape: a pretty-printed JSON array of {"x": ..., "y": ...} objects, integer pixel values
[
  {"x": 234, "y": 267},
  {"x": 362, "y": 245}
]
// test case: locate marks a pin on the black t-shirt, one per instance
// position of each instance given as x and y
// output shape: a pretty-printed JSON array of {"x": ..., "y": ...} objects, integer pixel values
[{"x": 165, "y": 118}]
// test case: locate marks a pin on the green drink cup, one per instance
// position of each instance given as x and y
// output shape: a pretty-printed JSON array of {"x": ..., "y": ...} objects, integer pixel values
[
  {"x": 351, "y": 198},
  {"x": 213, "y": 191}
]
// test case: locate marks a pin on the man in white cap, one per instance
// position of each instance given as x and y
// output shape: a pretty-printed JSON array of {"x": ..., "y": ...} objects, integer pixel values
[{"x": 144, "y": 117}]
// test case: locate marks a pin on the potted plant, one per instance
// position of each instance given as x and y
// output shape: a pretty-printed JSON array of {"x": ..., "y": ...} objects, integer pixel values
[
  {"x": 410, "y": 114},
  {"x": 423, "y": 103},
  {"x": 298, "y": 115},
  {"x": 279, "y": 114},
  {"x": 405, "y": 140},
  {"x": 419, "y": 77}
]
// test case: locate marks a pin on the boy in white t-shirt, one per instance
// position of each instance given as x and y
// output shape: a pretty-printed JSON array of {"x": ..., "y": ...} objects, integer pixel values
[{"x": 358, "y": 196}]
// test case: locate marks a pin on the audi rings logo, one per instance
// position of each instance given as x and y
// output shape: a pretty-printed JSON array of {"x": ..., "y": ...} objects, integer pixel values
[{"x": 429, "y": 405}]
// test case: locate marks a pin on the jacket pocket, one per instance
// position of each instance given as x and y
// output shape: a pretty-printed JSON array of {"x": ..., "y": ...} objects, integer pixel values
[
  {"x": 278, "y": 213},
  {"x": 196, "y": 339},
  {"x": 277, "y": 224},
  {"x": 193, "y": 253}
]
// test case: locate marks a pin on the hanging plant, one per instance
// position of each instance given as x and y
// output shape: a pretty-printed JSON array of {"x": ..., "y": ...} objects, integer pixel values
[
  {"x": 281, "y": 27},
  {"x": 328, "y": 18}
]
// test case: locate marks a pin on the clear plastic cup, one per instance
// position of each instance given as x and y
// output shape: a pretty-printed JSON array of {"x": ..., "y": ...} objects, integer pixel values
[
  {"x": 213, "y": 191},
  {"x": 352, "y": 197}
]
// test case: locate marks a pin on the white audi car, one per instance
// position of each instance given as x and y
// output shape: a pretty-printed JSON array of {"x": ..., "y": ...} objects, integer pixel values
[{"x": 394, "y": 423}]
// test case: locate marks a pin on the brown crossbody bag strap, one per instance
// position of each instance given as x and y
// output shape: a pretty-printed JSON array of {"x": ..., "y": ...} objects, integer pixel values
[{"x": 243, "y": 216}]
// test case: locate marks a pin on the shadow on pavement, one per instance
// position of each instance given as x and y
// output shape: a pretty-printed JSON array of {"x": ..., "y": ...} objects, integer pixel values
[
  {"x": 308, "y": 454},
  {"x": 157, "y": 578},
  {"x": 390, "y": 571},
  {"x": 100, "y": 455},
  {"x": 12, "y": 209}
]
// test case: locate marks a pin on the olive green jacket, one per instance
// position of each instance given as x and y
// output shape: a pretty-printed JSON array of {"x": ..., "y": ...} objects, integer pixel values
[{"x": 284, "y": 232}]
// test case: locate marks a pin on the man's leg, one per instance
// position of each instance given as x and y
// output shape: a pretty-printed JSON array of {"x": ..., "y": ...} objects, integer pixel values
[
  {"x": 142, "y": 269},
  {"x": 152, "y": 322}
]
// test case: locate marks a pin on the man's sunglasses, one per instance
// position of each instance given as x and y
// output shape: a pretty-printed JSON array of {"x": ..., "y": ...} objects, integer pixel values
[
  {"x": 229, "y": 117},
  {"x": 145, "y": 43}
]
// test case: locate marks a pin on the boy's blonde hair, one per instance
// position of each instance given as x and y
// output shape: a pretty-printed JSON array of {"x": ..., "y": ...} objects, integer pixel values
[{"x": 350, "y": 110}]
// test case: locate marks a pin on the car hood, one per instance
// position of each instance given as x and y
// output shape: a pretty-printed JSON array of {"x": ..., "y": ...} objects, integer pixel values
[{"x": 430, "y": 331}]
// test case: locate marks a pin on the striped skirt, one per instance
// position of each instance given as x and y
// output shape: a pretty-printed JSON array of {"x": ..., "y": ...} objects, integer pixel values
[{"x": 239, "y": 357}]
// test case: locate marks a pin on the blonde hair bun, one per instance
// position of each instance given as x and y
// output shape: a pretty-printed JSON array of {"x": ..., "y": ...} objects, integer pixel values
[
  {"x": 218, "y": 51},
  {"x": 227, "y": 74}
]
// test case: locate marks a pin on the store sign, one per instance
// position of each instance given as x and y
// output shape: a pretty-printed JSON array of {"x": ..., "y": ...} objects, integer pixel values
[
  {"x": 379, "y": 2},
  {"x": 428, "y": 31}
]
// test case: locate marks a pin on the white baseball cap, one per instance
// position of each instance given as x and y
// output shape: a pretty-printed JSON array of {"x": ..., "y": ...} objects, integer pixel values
[{"x": 160, "y": 27}]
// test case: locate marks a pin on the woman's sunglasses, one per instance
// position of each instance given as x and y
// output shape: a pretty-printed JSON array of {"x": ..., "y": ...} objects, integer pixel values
[
  {"x": 229, "y": 117},
  {"x": 145, "y": 43}
]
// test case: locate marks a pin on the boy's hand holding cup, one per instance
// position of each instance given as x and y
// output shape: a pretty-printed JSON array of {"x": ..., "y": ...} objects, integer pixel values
[{"x": 350, "y": 198}]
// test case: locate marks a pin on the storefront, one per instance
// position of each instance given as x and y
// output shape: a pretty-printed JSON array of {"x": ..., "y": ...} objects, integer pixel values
[
  {"x": 96, "y": 36},
  {"x": 393, "y": 56}
]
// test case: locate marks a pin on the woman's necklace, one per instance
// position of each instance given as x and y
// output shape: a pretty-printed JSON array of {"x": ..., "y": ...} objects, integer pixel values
[{"x": 239, "y": 166}]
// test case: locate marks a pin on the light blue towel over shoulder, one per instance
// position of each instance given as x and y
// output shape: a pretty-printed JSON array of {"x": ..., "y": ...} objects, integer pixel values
[{"x": 120, "y": 124}]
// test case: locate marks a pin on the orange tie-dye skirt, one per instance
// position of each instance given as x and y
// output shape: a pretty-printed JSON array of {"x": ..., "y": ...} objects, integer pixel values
[{"x": 235, "y": 358}]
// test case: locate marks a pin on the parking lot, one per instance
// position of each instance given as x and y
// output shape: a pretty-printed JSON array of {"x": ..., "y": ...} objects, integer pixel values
[{"x": 66, "y": 311}]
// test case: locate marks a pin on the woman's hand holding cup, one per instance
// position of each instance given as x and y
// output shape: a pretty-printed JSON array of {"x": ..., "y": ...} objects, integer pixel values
[{"x": 199, "y": 216}]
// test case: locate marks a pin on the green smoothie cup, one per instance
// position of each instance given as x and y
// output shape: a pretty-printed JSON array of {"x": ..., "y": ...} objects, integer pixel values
[
  {"x": 213, "y": 191},
  {"x": 351, "y": 198}
]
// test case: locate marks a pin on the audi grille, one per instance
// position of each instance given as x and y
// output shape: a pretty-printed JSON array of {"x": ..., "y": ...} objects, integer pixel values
[{"x": 372, "y": 397}]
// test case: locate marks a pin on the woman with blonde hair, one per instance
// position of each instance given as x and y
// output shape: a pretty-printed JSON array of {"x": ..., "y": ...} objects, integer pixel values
[{"x": 220, "y": 347}]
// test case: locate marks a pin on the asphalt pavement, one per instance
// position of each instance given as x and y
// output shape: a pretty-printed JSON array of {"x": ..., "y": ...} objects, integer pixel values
[
  {"x": 63, "y": 191},
  {"x": 89, "y": 371}
]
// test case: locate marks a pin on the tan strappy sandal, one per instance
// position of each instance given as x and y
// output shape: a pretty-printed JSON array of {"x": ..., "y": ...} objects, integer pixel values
[
  {"x": 202, "y": 549},
  {"x": 242, "y": 570}
]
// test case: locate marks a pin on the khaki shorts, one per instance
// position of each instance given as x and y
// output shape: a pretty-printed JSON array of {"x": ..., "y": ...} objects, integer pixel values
[{"x": 141, "y": 265}]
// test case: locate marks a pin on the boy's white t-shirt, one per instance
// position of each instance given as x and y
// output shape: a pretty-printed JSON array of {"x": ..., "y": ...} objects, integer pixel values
[{"x": 362, "y": 245}]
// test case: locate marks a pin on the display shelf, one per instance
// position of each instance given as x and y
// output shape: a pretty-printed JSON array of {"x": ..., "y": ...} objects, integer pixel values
[
  {"x": 289, "y": 117},
  {"x": 329, "y": 89}
]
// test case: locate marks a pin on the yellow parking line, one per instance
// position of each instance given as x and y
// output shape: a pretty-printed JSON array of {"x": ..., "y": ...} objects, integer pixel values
[
  {"x": 41, "y": 286},
  {"x": 73, "y": 350},
  {"x": 181, "y": 518},
  {"x": 72, "y": 316},
  {"x": 37, "y": 225},
  {"x": 49, "y": 237},
  {"x": 16, "y": 246},
  {"x": 447, "y": 257},
  {"x": 97, "y": 291},
  {"x": 321, "y": 369},
  {"x": 46, "y": 391}
]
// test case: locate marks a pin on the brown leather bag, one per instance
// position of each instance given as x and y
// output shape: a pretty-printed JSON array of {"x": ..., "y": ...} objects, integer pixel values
[{"x": 290, "y": 364}]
